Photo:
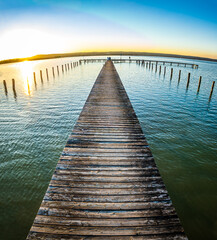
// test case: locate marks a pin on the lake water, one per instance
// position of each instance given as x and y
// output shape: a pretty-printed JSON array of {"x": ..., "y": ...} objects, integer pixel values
[{"x": 180, "y": 126}]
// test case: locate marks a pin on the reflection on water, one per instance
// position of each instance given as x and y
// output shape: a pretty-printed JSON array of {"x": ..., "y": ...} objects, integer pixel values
[
  {"x": 26, "y": 69},
  {"x": 180, "y": 125}
]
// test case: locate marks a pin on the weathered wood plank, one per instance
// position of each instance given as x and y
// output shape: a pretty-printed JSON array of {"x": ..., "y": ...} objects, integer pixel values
[
  {"x": 106, "y": 184},
  {"x": 109, "y": 231},
  {"x": 74, "y": 213}
]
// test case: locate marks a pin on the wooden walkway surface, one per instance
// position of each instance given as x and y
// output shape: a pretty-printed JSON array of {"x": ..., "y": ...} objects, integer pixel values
[{"x": 106, "y": 184}]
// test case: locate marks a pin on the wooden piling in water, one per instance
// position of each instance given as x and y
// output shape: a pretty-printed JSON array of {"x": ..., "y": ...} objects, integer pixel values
[
  {"x": 53, "y": 72},
  {"x": 213, "y": 84},
  {"x": 47, "y": 74},
  {"x": 199, "y": 83},
  {"x": 188, "y": 81},
  {"x": 106, "y": 184},
  {"x": 34, "y": 78},
  {"x": 58, "y": 70},
  {"x": 171, "y": 74},
  {"x": 179, "y": 76},
  {"x": 14, "y": 89},
  {"x": 41, "y": 76},
  {"x": 160, "y": 69},
  {"x": 13, "y": 85},
  {"x": 5, "y": 87},
  {"x": 62, "y": 69},
  {"x": 165, "y": 69}
]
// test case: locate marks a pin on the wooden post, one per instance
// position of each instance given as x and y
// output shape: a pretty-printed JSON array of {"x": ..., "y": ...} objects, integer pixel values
[
  {"x": 34, "y": 77},
  {"x": 165, "y": 69},
  {"x": 189, "y": 75},
  {"x": 213, "y": 84},
  {"x": 179, "y": 75},
  {"x": 47, "y": 74},
  {"x": 62, "y": 69},
  {"x": 41, "y": 76},
  {"x": 160, "y": 70},
  {"x": 156, "y": 67},
  {"x": 13, "y": 85},
  {"x": 53, "y": 72},
  {"x": 152, "y": 66},
  {"x": 5, "y": 87},
  {"x": 198, "y": 89},
  {"x": 65, "y": 68},
  {"x": 71, "y": 65},
  {"x": 171, "y": 74},
  {"x": 58, "y": 70},
  {"x": 68, "y": 66}
]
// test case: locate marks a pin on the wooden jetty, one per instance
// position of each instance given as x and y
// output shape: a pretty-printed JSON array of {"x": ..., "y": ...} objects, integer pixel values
[
  {"x": 142, "y": 62},
  {"x": 106, "y": 184}
]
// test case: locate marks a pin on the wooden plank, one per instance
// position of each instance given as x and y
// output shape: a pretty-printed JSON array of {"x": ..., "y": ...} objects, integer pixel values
[
  {"x": 125, "y": 214},
  {"x": 109, "y": 231},
  {"x": 106, "y": 184}
]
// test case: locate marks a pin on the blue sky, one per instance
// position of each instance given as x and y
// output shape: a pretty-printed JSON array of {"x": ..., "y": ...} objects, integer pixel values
[{"x": 180, "y": 27}]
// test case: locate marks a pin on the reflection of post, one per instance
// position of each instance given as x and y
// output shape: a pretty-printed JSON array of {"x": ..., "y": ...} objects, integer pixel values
[
  {"x": 189, "y": 75},
  {"x": 5, "y": 87},
  {"x": 47, "y": 74},
  {"x": 34, "y": 77},
  {"x": 179, "y": 76},
  {"x": 41, "y": 76},
  {"x": 213, "y": 84},
  {"x": 198, "y": 89},
  {"x": 171, "y": 74},
  {"x": 28, "y": 86}
]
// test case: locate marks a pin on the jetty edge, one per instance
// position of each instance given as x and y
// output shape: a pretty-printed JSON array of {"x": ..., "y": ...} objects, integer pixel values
[{"x": 106, "y": 184}]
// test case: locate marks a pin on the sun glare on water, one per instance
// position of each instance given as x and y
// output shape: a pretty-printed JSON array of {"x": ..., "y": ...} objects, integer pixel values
[{"x": 27, "y": 69}]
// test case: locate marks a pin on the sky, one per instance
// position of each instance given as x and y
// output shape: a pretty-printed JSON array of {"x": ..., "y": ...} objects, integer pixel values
[{"x": 31, "y": 27}]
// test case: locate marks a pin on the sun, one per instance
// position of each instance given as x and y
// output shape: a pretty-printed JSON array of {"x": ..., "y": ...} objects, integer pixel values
[{"x": 26, "y": 42}]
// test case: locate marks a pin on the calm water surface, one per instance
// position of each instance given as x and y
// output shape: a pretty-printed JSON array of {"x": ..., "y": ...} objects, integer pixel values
[{"x": 180, "y": 125}]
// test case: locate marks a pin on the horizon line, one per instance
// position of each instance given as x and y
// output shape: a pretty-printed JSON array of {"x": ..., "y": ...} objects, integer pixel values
[{"x": 102, "y": 53}]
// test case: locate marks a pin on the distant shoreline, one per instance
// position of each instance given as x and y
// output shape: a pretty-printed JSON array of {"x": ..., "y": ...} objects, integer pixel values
[{"x": 112, "y": 53}]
